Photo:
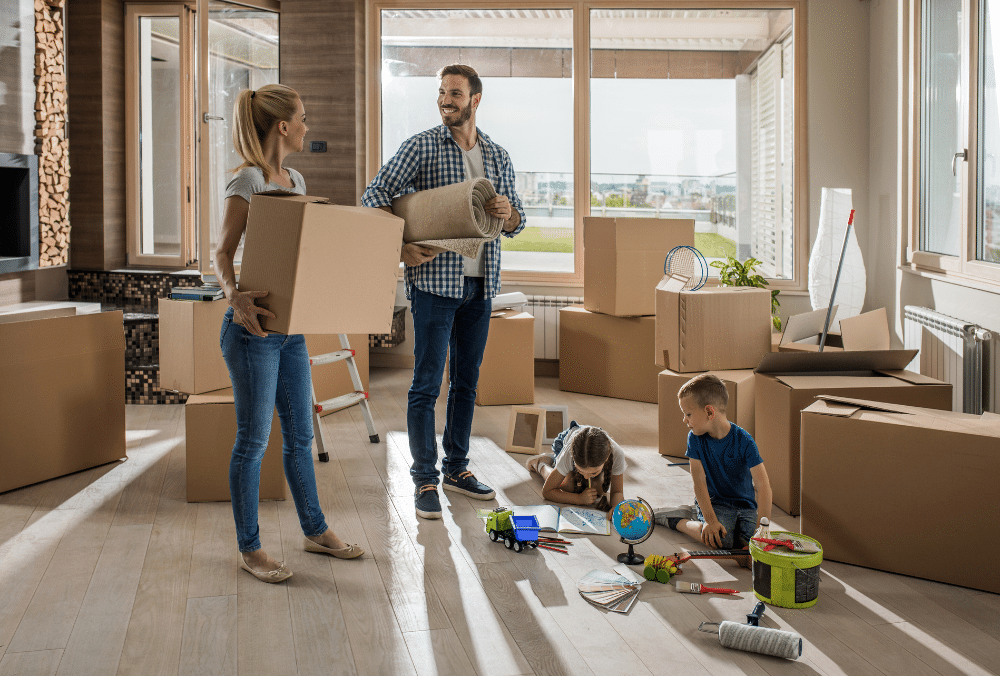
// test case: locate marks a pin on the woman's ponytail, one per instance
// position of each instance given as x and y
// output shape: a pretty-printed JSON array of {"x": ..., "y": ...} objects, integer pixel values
[{"x": 255, "y": 113}]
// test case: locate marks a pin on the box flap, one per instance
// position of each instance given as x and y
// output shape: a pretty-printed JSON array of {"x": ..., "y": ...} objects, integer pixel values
[
  {"x": 673, "y": 283},
  {"x": 911, "y": 377},
  {"x": 217, "y": 397},
  {"x": 819, "y": 381},
  {"x": 990, "y": 415},
  {"x": 868, "y": 331},
  {"x": 805, "y": 325},
  {"x": 292, "y": 196},
  {"x": 868, "y": 405},
  {"x": 837, "y": 408},
  {"x": 817, "y": 362}
]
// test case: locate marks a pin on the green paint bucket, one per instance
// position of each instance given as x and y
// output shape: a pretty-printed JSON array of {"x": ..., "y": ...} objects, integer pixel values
[{"x": 785, "y": 578}]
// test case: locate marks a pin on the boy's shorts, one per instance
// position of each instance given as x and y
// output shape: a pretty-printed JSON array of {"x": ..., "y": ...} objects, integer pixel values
[{"x": 740, "y": 524}]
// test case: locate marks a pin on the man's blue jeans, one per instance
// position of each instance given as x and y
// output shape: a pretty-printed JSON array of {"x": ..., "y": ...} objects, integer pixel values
[
  {"x": 269, "y": 373},
  {"x": 440, "y": 324}
]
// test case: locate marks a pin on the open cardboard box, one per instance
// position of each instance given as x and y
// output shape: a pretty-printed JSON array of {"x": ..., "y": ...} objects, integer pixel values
[
  {"x": 673, "y": 431},
  {"x": 717, "y": 328},
  {"x": 903, "y": 489},
  {"x": 62, "y": 398},
  {"x": 623, "y": 260},
  {"x": 868, "y": 331},
  {"x": 787, "y": 382},
  {"x": 327, "y": 268}
]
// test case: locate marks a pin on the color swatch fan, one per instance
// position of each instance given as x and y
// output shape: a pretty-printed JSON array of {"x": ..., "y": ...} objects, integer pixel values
[
  {"x": 687, "y": 261},
  {"x": 608, "y": 590}
]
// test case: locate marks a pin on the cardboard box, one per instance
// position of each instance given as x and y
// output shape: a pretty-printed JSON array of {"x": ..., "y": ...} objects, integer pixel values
[
  {"x": 30, "y": 315},
  {"x": 868, "y": 331},
  {"x": 606, "y": 355},
  {"x": 327, "y": 268},
  {"x": 334, "y": 380},
  {"x": 718, "y": 328},
  {"x": 210, "y": 430},
  {"x": 673, "y": 431},
  {"x": 623, "y": 261},
  {"x": 507, "y": 374},
  {"x": 921, "y": 505},
  {"x": 787, "y": 382},
  {"x": 190, "y": 357},
  {"x": 62, "y": 398}
]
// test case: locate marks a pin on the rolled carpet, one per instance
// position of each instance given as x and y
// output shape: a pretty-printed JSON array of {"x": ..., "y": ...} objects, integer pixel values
[{"x": 450, "y": 218}]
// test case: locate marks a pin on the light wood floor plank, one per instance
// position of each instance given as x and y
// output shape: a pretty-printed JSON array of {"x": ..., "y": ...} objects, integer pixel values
[
  {"x": 264, "y": 643},
  {"x": 208, "y": 647},
  {"x": 95, "y": 644},
  {"x": 37, "y": 663},
  {"x": 437, "y": 652},
  {"x": 213, "y": 555}
]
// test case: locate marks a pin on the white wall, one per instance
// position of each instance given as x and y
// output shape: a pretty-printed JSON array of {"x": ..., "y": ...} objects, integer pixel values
[{"x": 840, "y": 149}]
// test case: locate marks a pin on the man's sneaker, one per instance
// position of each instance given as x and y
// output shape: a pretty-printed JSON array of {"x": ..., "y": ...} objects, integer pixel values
[
  {"x": 671, "y": 516},
  {"x": 427, "y": 502},
  {"x": 466, "y": 484}
]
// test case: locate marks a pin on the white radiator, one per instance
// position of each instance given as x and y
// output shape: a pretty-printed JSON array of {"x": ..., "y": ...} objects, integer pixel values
[
  {"x": 952, "y": 350},
  {"x": 545, "y": 310}
]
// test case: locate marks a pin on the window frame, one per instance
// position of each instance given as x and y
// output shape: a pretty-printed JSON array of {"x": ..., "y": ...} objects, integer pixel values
[
  {"x": 964, "y": 269},
  {"x": 581, "y": 112}
]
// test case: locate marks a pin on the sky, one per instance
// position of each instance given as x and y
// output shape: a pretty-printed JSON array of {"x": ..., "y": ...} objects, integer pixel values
[{"x": 662, "y": 127}]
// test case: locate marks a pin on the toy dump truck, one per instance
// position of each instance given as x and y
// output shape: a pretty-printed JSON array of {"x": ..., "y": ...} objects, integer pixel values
[{"x": 517, "y": 532}]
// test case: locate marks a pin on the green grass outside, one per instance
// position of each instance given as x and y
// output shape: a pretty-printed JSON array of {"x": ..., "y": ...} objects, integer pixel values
[{"x": 560, "y": 240}]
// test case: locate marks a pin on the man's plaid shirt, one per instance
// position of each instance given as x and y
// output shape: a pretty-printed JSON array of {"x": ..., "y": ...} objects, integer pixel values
[{"x": 433, "y": 159}]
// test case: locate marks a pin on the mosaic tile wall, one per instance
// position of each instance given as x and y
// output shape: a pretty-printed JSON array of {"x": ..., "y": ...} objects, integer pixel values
[
  {"x": 135, "y": 293},
  {"x": 397, "y": 333}
]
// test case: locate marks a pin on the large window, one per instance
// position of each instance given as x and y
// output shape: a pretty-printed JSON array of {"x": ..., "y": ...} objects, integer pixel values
[
  {"x": 955, "y": 136},
  {"x": 682, "y": 111}
]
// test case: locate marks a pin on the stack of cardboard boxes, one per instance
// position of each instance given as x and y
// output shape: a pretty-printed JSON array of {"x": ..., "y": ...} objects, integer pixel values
[
  {"x": 722, "y": 330},
  {"x": 605, "y": 347},
  {"x": 328, "y": 270}
]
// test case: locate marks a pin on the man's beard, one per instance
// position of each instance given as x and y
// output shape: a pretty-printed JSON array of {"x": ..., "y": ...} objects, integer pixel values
[{"x": 463, "y": 116}]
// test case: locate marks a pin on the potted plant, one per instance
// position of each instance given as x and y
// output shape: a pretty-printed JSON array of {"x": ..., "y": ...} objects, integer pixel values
[{"x": 734, "y": 273}]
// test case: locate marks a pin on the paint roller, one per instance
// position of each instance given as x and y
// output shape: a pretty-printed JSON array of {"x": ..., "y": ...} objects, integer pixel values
[{"x": 753, "y": 638}]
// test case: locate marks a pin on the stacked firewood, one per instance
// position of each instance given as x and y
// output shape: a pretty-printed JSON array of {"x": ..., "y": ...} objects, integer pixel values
[{"x": 50, "y": 133}]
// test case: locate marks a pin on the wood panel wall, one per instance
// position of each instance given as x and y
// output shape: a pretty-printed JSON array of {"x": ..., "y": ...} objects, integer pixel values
[
  {"x": 96, "y": 87},
  {"x": 322, "y": 57}
]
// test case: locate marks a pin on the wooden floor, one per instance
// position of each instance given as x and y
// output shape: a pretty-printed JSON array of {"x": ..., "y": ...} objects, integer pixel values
[{"x": 110, "y": 571}]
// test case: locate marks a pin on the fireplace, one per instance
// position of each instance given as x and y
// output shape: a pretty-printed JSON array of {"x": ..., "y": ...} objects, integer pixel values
[{"x": 18, "y": 212}]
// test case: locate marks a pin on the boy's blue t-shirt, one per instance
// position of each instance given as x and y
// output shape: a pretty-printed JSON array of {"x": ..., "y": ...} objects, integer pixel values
[{"x": 727, "y": 464}]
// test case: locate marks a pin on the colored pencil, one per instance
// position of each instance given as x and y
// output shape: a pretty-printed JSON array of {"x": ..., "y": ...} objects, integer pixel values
[
  {"x": 565, "y": 542},
  {"x": 553, "y": 549}
]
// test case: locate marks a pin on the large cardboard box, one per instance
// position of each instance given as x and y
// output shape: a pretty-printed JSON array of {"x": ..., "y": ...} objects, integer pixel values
[
  {"x": 327, "y": 268},
  {"x": 606, "y": 355},
  {"x": 210, "y": 431},
  {"x": 190, "y": 357},
  {"x": 673, "y": 431},
  {"x": 507, "y": 374},
  {"x": 334, "y": 380},
  {"x": 62, "y": 396},
  {"x": 787, "y": 382},
  {"x": 623, "y": 261},
  {"x": 718, "y": 328},
  {"x": 903, "y": 489}
]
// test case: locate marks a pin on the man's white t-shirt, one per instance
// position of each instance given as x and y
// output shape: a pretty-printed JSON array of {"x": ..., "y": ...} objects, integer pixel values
[{"x": 472, "y": 160}]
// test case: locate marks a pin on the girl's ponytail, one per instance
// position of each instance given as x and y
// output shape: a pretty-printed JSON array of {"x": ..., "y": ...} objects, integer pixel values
[{"x": 254, "y": 115}]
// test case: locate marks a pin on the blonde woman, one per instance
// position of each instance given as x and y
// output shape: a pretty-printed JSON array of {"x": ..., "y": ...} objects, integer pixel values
[{"x": 268, "y": 371}]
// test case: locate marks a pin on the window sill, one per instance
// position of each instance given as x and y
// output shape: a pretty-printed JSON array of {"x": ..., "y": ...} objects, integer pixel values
[{"x": 955, "y": 278}]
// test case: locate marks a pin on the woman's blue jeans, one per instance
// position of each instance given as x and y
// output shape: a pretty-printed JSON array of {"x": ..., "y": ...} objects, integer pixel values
[
  {"x": 440, "y": 324},
  {"x": 269, "y": 373}
]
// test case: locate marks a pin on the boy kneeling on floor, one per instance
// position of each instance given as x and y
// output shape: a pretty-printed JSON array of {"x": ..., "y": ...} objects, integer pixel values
[{"x": 731, "y": 488}]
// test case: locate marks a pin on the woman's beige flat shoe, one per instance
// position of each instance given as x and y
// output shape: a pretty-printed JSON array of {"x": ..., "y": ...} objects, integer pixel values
[
  {"x": 348, "y": 552},
  {"x": 270, "y": 576}
]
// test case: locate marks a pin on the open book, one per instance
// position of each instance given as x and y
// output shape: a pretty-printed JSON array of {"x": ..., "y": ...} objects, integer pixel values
[{"x": 568, "y": 519}]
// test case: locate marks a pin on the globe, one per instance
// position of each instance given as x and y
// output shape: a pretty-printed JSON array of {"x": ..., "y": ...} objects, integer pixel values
[{"x": 633, "y": 521}]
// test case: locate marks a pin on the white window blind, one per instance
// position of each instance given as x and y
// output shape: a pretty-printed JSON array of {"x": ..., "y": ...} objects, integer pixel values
[{"x": 771, "y": 100}]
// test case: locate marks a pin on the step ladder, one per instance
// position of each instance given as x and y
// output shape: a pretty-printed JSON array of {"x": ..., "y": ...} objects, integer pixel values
[{"x": 359, "y": 396}]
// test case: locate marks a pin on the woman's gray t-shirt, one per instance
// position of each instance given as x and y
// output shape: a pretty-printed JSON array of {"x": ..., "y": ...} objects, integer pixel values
[{"x": 249, "y": 181}]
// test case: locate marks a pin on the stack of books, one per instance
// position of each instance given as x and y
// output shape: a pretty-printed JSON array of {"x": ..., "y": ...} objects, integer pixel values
[
  {"x": 196, "y": 293},
  {"x": 608, "y": 590}
]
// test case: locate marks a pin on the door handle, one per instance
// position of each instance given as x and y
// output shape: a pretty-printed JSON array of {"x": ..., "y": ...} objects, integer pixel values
[
  {"x": 206, "y": 117},
  {"x": 954, "y": 171}
]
